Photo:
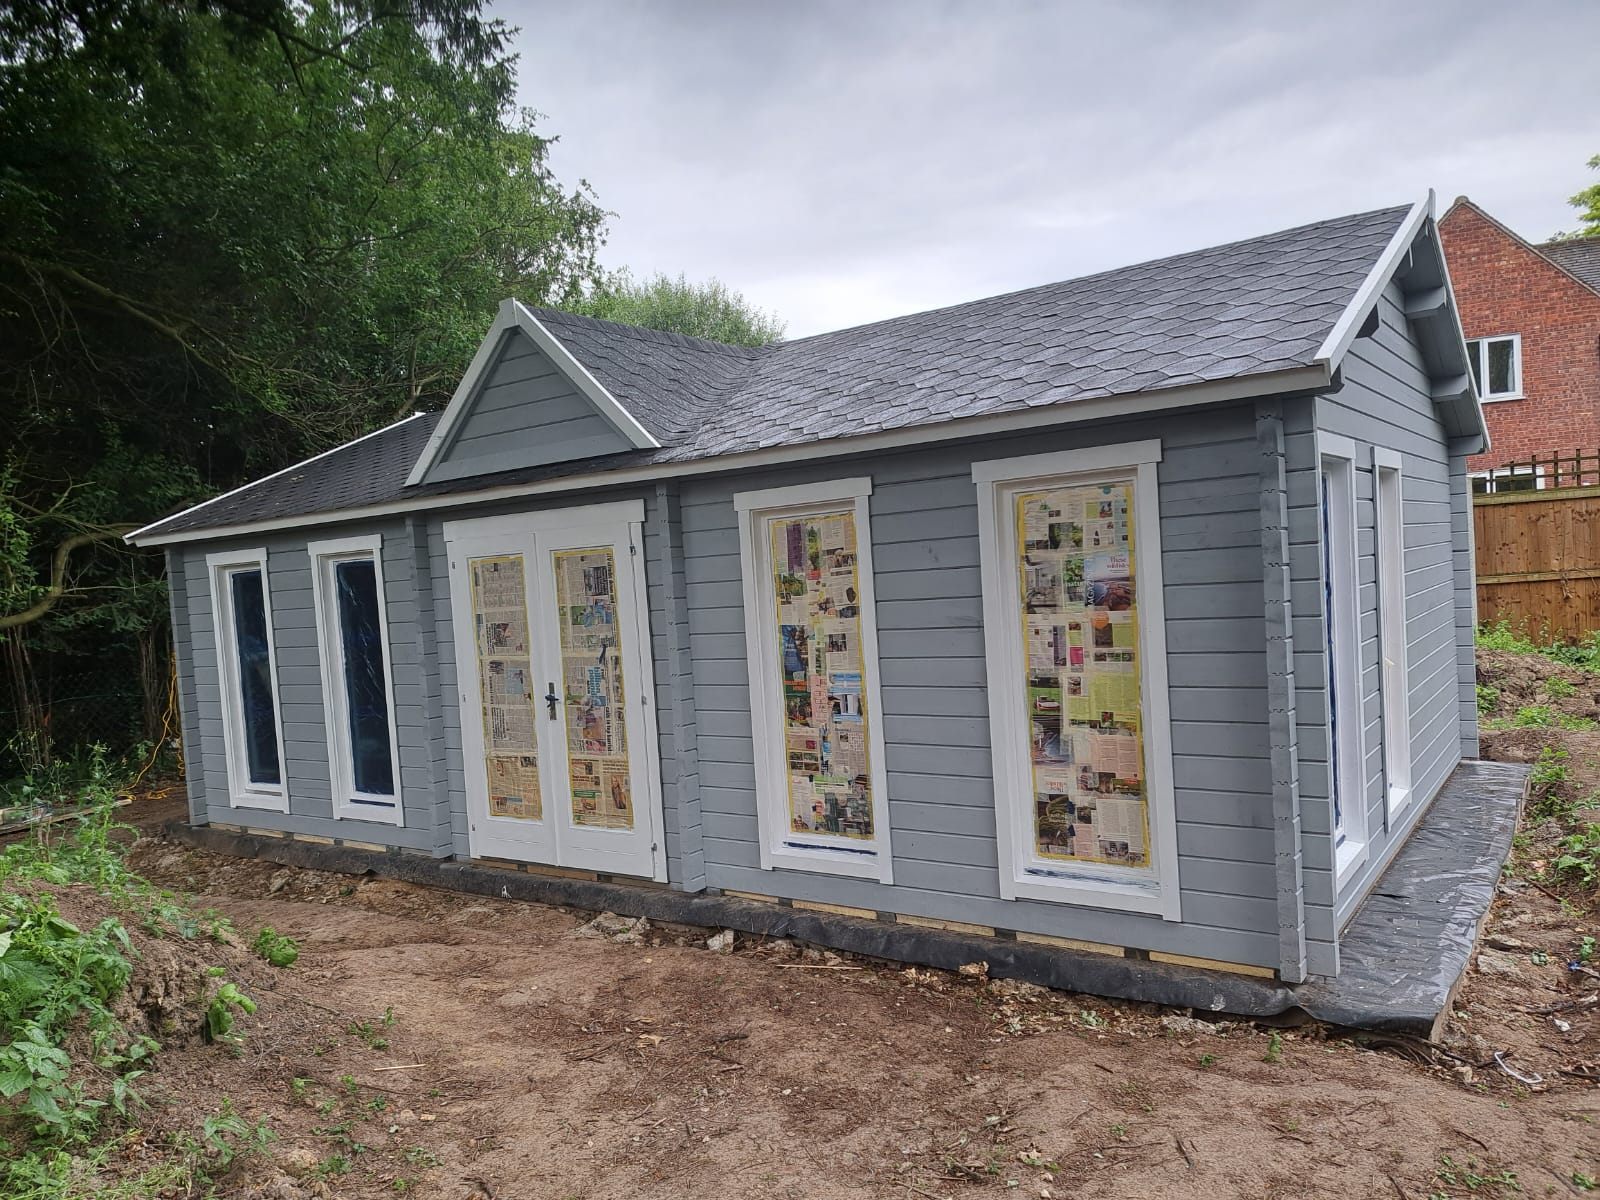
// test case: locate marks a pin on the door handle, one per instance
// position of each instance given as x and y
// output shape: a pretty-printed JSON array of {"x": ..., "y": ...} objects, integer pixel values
[{"x": 551, "y": 698}]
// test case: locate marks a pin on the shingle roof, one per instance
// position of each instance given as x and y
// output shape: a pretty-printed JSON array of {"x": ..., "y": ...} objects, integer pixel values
[
  {"x": 1579, "y": 257},
  {"x": 1243, "y": 309}
]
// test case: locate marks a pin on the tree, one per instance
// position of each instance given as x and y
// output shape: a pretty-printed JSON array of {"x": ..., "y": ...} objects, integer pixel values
[
  {"x": 234, "y": 233},
  {"x": 1587, "y": 202},
  {"x": 707, "y": 310}
]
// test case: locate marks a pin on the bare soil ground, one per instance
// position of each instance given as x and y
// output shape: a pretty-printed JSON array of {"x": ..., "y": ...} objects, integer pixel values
[
  {"x": 530, "y": 1061},
  {"x": 526, "y": 1057}
]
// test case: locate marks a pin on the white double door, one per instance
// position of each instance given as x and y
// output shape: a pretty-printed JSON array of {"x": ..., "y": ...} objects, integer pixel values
[{"x": 552, "y": 646}]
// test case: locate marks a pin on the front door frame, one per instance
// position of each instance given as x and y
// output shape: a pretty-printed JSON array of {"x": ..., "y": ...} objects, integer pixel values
[{"x": 532, "y": 534}]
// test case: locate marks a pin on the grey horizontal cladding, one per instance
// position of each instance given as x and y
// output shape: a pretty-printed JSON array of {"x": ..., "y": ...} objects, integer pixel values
[
  {"x": 932, "y": 673},
  {"x": 1386, "y": 401},
  {"x": 300, "y": 691},
  {"x": 524, "y": 414},
  {"x": 188, "y": 694}
]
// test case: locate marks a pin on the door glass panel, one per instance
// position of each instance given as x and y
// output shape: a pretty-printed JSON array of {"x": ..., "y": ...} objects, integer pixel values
[
  {"x": 1077, "y": 565},
  {"x": 819, "y": 647},
  {"x": 592, "y": 687},
  {"x": 505, "y": 677},
  {"x": 255, "y": 677},
  {"x": 1329, "y": 608},
  {"x": 366, "y": 690}
]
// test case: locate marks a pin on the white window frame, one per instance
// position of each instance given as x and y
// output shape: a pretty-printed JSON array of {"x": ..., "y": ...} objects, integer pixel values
[
  {"x": 1388, "y": 493},
  {"x": 1492, "y": 478},
  {"x": 780, "y": 847},
  {"x": 1155, "y": 889},
  {"x": 348, "y": 803},
  {"x": 242, "y": 791},
  {"x": 1479, "y": 346},
  {"x": 1337, "y": 456}
]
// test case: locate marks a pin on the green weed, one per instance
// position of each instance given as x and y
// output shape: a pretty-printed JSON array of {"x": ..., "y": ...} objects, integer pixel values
[
  {"x": 1579, "y": 857},
  {"x": 1274, "y": 1052},
  {"x": 1560, "y": 689},
  {"x": 219, "y": 1014},
  {"x": 1488, "y": 697},
  {"x": 278, "y": 950}
]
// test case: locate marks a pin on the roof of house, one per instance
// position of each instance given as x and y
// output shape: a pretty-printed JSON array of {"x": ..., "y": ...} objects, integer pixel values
[
  {"x": 1246, "y": 309},
  {"x": 1578, "y": 257}
]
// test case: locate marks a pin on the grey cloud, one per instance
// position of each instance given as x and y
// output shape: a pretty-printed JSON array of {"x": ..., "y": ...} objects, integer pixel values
[{"x": 844, "y": 162}]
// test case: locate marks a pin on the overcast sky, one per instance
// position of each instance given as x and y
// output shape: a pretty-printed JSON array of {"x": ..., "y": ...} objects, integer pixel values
[{"x": 841, "y": 162}]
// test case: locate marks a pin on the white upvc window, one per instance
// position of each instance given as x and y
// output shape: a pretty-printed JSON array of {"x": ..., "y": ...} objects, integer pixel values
[
  {"x": 811, "y": 641},
  {"x": 1076, "y": 642},
  {"x": 1342, "y": 647},
  {"x": 1508, "y": 479},
  {"x": 247, "y": 669},
  {"x": 1496, "y": 364},
  {"x": 1389, "y": 493},
  {"x": 357, "y": 677}
]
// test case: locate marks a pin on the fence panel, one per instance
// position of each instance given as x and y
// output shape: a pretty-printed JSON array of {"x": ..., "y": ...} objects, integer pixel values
[{"x": 1538, "y": 559}]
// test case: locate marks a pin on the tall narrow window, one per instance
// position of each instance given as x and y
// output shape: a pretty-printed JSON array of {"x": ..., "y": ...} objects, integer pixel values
[
  {"x": 1076, "y": 641},
  {"x": 357, "y": 678},
  {"x": 812, "y": 647},
  {"x": 1392, "y": 630},
  {"x": 252, "y": 731},
  {"x": 1341, "y": 624}
]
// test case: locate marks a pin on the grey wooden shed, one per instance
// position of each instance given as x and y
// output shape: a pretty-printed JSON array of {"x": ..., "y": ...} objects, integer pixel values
[{"x": 1130, "y": 615}]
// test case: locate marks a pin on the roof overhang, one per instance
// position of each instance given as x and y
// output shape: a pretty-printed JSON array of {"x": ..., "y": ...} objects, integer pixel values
[
  {"x": 1415, "y": 257},
  {"x": 1293, "y": 381},
  {"x": 513, "y": 317}
]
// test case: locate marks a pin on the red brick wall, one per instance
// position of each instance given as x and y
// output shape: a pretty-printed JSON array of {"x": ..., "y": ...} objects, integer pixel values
[{"x": 1504, "y": 286}]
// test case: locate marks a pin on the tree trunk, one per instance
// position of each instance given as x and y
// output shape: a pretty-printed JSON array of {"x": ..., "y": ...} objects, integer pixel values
[{"x": 31, "y": 732}]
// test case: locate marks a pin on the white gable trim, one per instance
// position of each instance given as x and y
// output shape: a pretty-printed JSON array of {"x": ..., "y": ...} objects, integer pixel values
[
  {"x": 1344, "y": 330},
  {"x": 513, "y": 316}
]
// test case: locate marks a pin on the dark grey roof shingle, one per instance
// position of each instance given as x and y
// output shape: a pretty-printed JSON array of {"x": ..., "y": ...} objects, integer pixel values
[
  {"x": 1576, "y": 256},
  {"x": 1227, "y": 312}
]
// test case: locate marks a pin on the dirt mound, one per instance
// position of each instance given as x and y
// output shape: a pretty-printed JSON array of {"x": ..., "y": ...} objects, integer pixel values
[{"x": 1520, "y": 681}]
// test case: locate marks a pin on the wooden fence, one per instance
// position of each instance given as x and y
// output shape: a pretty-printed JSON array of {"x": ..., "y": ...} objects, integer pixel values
[{"x": 1538, "y": 558}]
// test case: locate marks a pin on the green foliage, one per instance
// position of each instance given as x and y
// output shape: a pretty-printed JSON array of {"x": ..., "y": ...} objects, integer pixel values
[
  {"x": 1587, "y": 202},
  {"x": 1582, "y": 655},
  {"x": 219, "y": 1013},
  {"x": 1560, "y": 689},
  {"x": 1487, "y": 698},
  {"x": 1471, "y": 1176},
  {"x": 277, "y": 949},
  {"x": 1274, "y": 1054},
  {"x": 1578, "y": 856},
  {"x": 1549, "y": 780},
  {"x": 1540, "y": 716},
  {"x": 708, "y": 310}
]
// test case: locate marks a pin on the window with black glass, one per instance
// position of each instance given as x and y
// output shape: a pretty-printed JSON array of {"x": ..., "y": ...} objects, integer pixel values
[
  {"x": 366, "y": 685},
  {"x": 253, "y": 655}
]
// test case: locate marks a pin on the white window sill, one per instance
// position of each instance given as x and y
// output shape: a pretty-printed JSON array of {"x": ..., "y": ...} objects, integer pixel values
[
  {"x": 1347, "y": 858},
  {"x": 1498, "y": 399}
]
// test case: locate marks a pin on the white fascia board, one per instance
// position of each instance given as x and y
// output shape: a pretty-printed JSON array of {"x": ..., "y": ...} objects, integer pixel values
[
  {"x": 485, "y": 355},
  {"x": 513, "y": 315},
  {"x": 136, "y": 537},
  {"x": 1343, "y": 333},
  {"x": 1295, "y": 379}
]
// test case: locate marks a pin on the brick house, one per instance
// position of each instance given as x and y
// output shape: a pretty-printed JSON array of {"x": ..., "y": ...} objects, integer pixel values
[{"x": 1531, "y": 314}]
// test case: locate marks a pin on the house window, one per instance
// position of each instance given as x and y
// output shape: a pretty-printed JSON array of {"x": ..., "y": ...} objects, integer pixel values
[
  {"x": 357, "y": 678},
  {"x": 812, "y": 647},
  {"x": 1076, "y": 645},
  {"x": 1507, "y": 479},
  {"x": 1342, "y": 647},
  {"x": 252, "y": 730},
  {"x": 1391, "y": 546},
  {"x": 1496, "y": 365}
]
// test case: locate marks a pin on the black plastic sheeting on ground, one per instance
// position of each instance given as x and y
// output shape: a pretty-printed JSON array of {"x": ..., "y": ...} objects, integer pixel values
[
  {"x": 1401, "y": 956},
  {"x": 1403, "y": 953}
]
